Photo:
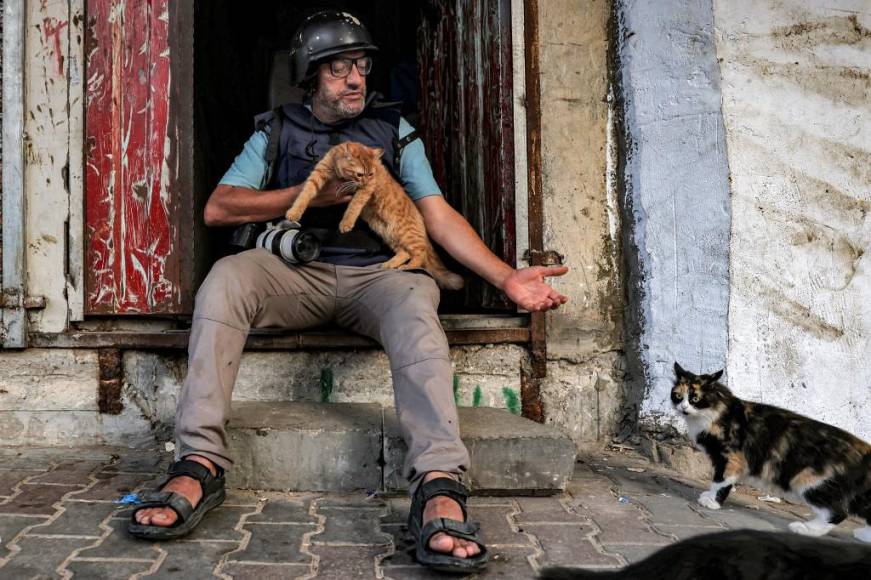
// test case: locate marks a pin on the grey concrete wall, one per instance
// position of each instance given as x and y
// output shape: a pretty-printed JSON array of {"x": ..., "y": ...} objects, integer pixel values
[
  {"x": 675, "y": 196},
  {"x": 583, "y": 390},
  {"x": 797, "y": 106},
  {"x": 49, "y": 396}
]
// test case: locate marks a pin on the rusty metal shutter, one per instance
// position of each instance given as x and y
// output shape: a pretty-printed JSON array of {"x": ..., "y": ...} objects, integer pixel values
[{"x": 467, "y": 120}]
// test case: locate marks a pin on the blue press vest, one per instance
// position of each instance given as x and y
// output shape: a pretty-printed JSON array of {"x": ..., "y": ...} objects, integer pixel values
[{"x": 305, "y": 140}]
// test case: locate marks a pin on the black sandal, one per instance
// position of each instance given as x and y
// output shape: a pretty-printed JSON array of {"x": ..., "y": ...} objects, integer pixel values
[
  {"x": 466, "y": 530},
  {"x": 188, "y": 516}
]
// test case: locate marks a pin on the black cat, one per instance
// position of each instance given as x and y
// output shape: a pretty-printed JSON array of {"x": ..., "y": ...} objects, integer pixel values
[{"x": 741, "y": 555}]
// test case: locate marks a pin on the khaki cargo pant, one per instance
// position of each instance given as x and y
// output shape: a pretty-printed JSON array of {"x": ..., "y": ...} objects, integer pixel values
[{"x": 255, "y": 289}]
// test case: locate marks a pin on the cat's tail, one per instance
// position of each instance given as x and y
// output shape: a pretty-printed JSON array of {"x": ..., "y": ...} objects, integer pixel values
[{"x": 443, "y": 277}]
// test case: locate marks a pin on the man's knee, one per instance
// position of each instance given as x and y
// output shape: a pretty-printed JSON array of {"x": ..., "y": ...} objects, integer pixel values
[{"x": 411, "y": 330}]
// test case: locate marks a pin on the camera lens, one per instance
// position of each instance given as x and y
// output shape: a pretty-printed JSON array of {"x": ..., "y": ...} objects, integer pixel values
[
  {"x": 292, "y": 245},
  {"x": 306, "y": 247}
]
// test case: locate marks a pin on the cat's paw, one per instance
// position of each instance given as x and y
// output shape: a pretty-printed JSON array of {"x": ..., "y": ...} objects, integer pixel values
[
  {"x": 809, "y": 529},
  {"x": 345, "y": 227},
  {"x": 863, "y": 534},
  {"x": 709, "y": 500},
  {"x": 293, "y": 215}
]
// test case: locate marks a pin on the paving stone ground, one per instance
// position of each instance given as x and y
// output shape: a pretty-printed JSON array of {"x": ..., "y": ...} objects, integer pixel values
[{"x": 58, "y": 519}]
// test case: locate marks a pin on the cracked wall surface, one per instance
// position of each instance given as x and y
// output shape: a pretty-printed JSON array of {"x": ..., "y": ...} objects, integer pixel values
[
  {"x": 583, "y": 392},
  {"x": 797, "y": 109}
]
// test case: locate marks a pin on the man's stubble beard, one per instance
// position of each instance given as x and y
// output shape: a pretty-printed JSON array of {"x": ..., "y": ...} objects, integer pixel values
[{"x": 340, "y": 108}]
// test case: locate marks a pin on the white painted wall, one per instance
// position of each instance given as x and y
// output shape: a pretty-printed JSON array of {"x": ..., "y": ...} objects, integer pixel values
[
  {"x": 53, "y": 122},
  {"x": 797, "y": 110}
]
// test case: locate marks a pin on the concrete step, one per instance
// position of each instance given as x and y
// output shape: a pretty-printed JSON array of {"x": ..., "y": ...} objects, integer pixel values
[{"x": 304, "y": 446}]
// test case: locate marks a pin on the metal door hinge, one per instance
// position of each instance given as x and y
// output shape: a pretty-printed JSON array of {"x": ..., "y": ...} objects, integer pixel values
[
  {"x": 543, "y": 258},
  {"x": 11, "y": 299}
]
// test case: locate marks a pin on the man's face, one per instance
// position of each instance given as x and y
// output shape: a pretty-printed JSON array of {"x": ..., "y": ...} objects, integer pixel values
[{"x": 343, "y": 97}]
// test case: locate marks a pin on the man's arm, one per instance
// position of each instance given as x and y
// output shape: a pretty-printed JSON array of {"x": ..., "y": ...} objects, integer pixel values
[
  {"x": 450, "y": 230},
  {"x": 233, "y": 205},
  {"x": 238, "y": 199}
]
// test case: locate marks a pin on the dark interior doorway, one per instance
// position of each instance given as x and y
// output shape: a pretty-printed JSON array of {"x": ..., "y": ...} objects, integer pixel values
[
  {"x": 451, "y": 55},
  {"x": 234, "y": 47}
]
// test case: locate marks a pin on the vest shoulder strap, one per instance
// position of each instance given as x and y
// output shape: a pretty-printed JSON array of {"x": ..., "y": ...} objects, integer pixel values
[
  {"x": 400, "y": 144},
  {"x": 275, "y": 126}
]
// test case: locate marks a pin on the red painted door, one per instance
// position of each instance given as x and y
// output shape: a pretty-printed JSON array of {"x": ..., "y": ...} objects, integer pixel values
[
  {"x": 137, "y": 156},
  {"x": 467, "y": 121}
]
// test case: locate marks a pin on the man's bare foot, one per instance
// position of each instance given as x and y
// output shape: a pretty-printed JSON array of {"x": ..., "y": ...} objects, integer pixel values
[
  {"x": 185, "y": 486},
  {"x": 445, "y": 507}
]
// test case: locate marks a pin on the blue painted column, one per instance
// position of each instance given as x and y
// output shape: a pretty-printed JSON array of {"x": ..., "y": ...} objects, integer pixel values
[{"x": 675, "y": 195}]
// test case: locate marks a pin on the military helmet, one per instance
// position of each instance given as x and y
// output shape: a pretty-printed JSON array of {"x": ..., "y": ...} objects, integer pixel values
[{"x": 322, "y": 35}]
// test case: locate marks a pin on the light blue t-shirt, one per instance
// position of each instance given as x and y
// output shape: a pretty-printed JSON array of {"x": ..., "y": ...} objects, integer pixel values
[{"x": 250, "y": 169}]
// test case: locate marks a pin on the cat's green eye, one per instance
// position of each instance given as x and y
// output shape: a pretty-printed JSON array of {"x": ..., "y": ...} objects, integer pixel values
[
  {"x": 678, "y": 396},
  {"x": 694, "y": 399}
]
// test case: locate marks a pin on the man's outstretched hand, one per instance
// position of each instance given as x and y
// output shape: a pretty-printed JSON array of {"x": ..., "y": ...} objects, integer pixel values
[{"x": 526, "y": 288}]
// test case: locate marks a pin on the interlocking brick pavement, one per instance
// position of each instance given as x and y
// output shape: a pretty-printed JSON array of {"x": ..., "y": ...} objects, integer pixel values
[
  {"x": 58, "y": 519},
  {"x": 78, "y": 518},
  {"x": 39, "y": 557},
  {"x": 10, "y": 480},
  {"x": 275, "y": 543},
  {"x": 192, "y": 560},
  {"x": 10, "y": 527},
  {"x": 35, "y": 500}
]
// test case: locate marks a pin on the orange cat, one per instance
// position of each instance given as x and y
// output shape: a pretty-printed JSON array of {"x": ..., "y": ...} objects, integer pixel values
[{"x": 382, "y": 203}]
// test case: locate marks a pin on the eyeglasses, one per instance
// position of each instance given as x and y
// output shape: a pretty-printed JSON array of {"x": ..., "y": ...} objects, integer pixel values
[{"x": 341, "y": 67}]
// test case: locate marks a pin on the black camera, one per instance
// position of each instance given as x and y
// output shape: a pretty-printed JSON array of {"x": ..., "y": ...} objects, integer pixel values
[{"x": 289, "y": 241}]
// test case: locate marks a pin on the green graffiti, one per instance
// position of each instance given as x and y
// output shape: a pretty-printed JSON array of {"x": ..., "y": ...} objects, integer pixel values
[
  {"x": 456, "y": 390},
  {"x": 326, "y": 384},
  {"x": 511, "y": 400},
  {"x": 476, "y": 399}
]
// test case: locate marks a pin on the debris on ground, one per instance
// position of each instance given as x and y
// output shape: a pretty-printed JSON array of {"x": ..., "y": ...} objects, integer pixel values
[{"x": 129, "y": 499}]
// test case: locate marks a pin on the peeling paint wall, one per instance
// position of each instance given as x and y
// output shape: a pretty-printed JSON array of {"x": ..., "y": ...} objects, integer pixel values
[
  {"x": 797, "y": 107},
  {"x": 583, "y": 390},
  {"x": 53, "y": 144},
  {"x": 133, "y": 210}
]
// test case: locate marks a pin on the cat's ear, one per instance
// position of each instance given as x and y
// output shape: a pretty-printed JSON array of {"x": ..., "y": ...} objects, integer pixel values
[
  {"x": 377, "y": 152},
  {"x": 714, "y": 377},
  {"x": 678, "y": 370}
]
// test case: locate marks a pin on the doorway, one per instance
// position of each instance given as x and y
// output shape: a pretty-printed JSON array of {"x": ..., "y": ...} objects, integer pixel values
[{"x": 448, "y": 61}]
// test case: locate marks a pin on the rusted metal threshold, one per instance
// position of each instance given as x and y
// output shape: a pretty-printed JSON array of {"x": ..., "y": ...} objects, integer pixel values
[{"x": 264, "y": 340}]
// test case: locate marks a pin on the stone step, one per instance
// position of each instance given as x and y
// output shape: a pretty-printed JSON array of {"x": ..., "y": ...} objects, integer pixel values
[{"x": 305, "y": 446}]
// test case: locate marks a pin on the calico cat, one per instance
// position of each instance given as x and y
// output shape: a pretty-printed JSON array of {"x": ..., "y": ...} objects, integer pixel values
[
  {"x": 382, "y": 203},
  {"x": 826, "y": 467},
  {"x": 741, "y": 555}
]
